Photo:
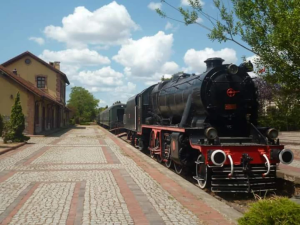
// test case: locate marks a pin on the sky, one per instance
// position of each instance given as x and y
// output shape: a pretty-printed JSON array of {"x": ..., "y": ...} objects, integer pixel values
[{"x": 114, "y": 49}]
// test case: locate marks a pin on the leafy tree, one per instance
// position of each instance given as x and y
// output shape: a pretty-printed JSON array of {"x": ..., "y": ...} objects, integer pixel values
[
  {"x": 269, "y": 27},
  {"x": 83, "y": 103},
  {"x": 165, "y": 79},
  {"x": 13, "y": 129}
]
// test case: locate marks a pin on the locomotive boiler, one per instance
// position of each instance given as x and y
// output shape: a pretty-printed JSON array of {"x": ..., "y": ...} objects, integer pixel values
[{"x": 207, "y": 124}]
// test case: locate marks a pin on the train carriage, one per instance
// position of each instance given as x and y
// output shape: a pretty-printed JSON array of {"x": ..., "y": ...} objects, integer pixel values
[{"x": 112, "y": 117}]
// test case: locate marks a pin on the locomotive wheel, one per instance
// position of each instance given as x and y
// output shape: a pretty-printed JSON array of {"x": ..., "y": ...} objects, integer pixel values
[
  {"x": 133, "y": 139},
  {"x": 202, "y": 172},
  {"x": 178, "y": 168},
  {"x": 159, "y": 159},
  {"x": 152, "y": 154},
  {"x": 168, "y": 163},
  {"x": 128, "y": 135},
  {"x": 141, "y": 145}
]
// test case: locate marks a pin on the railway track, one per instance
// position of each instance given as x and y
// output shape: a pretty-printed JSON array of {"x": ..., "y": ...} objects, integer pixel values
[{"x": 239, "y": 201}]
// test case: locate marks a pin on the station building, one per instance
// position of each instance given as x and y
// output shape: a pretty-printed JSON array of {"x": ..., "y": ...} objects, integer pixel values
[{"x": 42, "y": 88}]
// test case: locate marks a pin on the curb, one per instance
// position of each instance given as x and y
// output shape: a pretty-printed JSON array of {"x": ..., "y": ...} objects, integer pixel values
[
  {"x": 288, "y": 175},
  {"x": 12, "y": 148},
  {"x": 290, "y": 143}
]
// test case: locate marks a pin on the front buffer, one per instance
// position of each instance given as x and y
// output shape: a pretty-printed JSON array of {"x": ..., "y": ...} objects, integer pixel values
[{"x": 242, "y": 168}]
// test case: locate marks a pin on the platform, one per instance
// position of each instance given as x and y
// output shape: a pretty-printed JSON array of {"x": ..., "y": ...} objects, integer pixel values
[
  {"x": 89, "y": 176},
  {"x": 291, "y": 140}
]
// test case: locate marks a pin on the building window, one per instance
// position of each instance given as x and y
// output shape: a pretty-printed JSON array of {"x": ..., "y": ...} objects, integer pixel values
[{"x": 41, "y": 82}]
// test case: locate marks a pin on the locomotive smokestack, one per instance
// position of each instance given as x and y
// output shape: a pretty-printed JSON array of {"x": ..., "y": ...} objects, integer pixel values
[{"x": 213, "y": 62}]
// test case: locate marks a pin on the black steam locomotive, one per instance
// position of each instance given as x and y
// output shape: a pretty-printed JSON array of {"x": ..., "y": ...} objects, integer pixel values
[{"x": 207, "y": 123}]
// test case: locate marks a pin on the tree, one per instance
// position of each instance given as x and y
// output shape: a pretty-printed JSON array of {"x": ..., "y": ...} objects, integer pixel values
[
  {"x": 269, "y": 27},
  {"x": 13, "y": 129},
  {"x": 165, "y": 79},
  {"x": 83, "y": 103}
]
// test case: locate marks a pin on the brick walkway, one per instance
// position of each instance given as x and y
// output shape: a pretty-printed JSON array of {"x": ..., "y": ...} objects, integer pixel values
[{"x": 88, "y": 176}]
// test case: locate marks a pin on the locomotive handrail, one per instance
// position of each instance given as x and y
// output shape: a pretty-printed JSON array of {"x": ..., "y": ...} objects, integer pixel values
[
  {"x": 268, "y": 163},
  {"x": 231, "y": 166}
]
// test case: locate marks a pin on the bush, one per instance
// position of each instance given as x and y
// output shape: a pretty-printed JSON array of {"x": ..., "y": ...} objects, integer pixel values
[
  {"x": 72, "y": 121},
  {"x": 85, "y": 123},
  {"x": 275, "y": 211},
  {"x": 13, "y": 129},
  {"x": 1, "y": 125}
]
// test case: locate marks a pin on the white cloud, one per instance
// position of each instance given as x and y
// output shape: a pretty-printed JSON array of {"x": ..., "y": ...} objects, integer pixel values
[
  {"x": 105, "y": 76},
  {"x": 195, "y": 59},
  {"x": 108, "y": 25},
  {"x": 168, "y": 26},
  {"x": 169, "y": 68},
  {"x": 78, "y": 57},
  {"x": 253, "y": 60},
  {"x": 38, "y": 40},
  {"x": 102, "y": 47},
  {"x": 186, "y": 2},
  {"x": 199, "y": 20},
  {"x": 147, "y": 58},
  {"x": 154, "y": 5},
  {"x": 121, "y": 93}
]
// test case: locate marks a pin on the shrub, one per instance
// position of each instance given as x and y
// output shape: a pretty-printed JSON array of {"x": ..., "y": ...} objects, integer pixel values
[
  {"x": 72, "y": 121},
  {"x": 85, "y": 123},
  {"x": 1, "y": 125},
  {"x": 275, "y": 211},
  {"x": 7, "y": 133},
  {"x": 15, "y": 127}
]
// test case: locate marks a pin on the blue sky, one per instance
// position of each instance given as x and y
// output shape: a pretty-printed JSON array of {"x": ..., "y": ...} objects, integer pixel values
[{"x": 114, "y": 49}]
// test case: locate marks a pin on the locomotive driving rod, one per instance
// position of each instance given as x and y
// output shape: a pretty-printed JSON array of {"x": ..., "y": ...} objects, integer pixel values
[{"x": 186, "y": 111}]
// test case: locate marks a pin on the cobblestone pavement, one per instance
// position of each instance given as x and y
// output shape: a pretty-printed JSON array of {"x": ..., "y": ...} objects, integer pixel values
[{"x": 85, "y": 177}]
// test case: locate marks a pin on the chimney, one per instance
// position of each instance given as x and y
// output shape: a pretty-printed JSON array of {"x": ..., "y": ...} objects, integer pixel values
[
  {"x": 213, "y": 62},
  {"x": 51, "y": 64},
  {"x": 57, "y": 65},
  {"x": 15, "y": 72}
]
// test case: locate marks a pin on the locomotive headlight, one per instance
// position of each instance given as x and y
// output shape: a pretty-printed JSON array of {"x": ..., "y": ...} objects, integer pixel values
[
  {"x": 233, "y": 69},
  {"x": 286, "y": 156},
  {"x": 211, "y": 133},
  {"x": 218, "y": 157},
  {"x": 272, "y": 133}
]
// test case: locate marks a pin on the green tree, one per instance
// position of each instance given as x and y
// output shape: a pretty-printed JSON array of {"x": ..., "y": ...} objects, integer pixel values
[
  {"x": 83, "y": 103},
  {"x": 15, "y": 127},
  {"x": 165, "y": 79},
  {"x": 269, "y": 27}
]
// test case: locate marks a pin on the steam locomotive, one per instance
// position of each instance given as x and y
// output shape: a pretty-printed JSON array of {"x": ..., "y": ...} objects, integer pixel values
[{"x": 207, "y": 124}]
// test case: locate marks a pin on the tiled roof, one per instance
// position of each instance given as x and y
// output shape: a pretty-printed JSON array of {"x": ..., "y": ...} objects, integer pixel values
[
  {"x": 27, "y": 53},
  {"x": 26, "y": 84}
]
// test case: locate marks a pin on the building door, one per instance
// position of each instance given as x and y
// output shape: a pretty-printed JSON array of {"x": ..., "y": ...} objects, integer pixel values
[
  {"x": 58, "y": 117},
  {"x": 43, "y": 119},
  {"x": 52, "y": 118}
]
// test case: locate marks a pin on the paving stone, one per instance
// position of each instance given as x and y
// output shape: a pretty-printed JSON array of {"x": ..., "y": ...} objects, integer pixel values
[{"x": 70, "y": 180}]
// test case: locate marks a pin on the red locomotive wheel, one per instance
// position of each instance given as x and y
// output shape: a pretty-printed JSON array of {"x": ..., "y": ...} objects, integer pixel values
[
  {"x": 168, "y": 163},
  {"x": 178, "y": 168},
  {"x": 202, "y": 172}
]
